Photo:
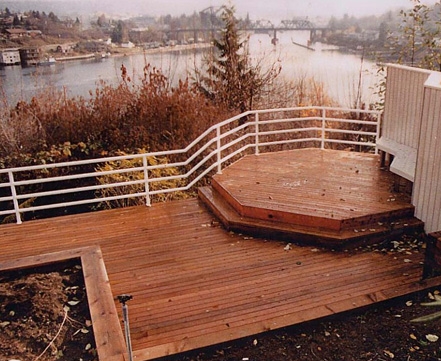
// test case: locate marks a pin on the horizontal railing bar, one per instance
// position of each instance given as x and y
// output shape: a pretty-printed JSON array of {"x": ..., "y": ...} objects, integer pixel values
[
  {"x": 356, "y": 132},
  {"x": 290, "y": 120},
  {"x": 82, "y": 202},
  {"x": 366, "y": 144},
  {"x": 6, "y": 199},
  {"x": 78, "y": 176},
  {"x": 363, "y": 122},
  {"x": 313, "y": 107},
  {"x": 79, "y": 189},
  {"x": 266, "y": 144},
  {"x": 284, "y": 131}
]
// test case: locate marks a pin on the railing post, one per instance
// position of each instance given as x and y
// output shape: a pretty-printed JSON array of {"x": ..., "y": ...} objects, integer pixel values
[
  {"x": 256, "y": 121},
  {"x": 14, "y": 197},
  {"x": 323, "y": 128},
  {"x": 219, "y": 155},
  {"x": 146, "y": 181},
  {"x": 378, "y": 131}
]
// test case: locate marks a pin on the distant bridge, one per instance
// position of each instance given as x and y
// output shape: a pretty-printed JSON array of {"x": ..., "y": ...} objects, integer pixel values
[
  {"x": 262, "y": 26},
  {"x": 211, "y": 23},
  {"x": 294, "y": 24}
]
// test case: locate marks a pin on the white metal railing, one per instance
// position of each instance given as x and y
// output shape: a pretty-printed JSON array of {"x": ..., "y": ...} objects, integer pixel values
[{"x": 208, "y": 152}]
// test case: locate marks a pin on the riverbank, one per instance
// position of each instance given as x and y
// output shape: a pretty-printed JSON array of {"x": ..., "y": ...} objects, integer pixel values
[
  {"x": 121, "y": 51},
  {"x": 136, "y": 50}
]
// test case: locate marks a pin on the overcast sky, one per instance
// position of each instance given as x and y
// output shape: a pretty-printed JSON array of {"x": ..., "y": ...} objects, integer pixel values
[
  {"x": 303, "y": 7},
  {"x": 257, "y": 9},
  {"x": 284, "y": 9}
]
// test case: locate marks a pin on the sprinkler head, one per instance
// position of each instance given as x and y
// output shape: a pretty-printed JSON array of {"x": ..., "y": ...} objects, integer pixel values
[{"x": 124, "y": 298}]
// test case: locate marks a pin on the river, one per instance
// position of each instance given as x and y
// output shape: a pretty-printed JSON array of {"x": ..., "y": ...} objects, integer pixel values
[{"x": 339, "y": 73}]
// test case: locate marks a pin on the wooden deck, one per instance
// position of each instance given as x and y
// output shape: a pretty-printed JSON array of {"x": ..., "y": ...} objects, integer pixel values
[{"x": 195, "y": 284}]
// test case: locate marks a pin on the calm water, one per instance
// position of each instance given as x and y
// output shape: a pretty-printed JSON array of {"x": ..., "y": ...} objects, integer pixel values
[{"x": 338, "y": 72}]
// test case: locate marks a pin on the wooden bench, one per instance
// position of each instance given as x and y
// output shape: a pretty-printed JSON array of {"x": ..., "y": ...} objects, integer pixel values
[{"x": 404, "y": 161}]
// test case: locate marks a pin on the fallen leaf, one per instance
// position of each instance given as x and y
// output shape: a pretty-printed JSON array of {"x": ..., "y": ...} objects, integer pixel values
[
  {"x": 255, "y": 342},
  {"x": 388, "y": 353},
  {"x": 409, "y": 303},
  {"x": 73, "y": 303},
  {"x": 412, "y": 336},
  {"x": 432, "y": 338}
]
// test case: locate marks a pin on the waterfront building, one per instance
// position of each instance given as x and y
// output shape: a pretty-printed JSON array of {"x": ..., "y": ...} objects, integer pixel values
[{"x": 9, "y": 56}]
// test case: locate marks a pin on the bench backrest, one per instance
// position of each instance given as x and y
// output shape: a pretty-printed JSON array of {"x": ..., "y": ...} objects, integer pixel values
[{"x": 403, "y": 104}]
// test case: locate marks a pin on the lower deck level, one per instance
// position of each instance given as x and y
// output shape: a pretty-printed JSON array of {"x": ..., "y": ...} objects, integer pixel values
[{"x": 196, "y": 284}]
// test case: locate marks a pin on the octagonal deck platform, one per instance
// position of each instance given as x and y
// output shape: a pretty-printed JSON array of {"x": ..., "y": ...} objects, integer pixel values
[{"x": 329, "y": 197}]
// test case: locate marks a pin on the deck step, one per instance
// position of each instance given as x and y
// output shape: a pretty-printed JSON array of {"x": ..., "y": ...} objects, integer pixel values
[
  {"x": 305, "y": 217},
  {"x": 368, "y": 233}
]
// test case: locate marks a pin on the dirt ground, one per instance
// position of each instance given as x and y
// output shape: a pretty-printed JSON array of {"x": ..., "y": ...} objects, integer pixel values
[{"x": 44, "y": 316}]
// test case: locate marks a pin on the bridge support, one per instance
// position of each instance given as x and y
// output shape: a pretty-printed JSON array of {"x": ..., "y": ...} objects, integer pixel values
[{"x": 274, "y": 40}]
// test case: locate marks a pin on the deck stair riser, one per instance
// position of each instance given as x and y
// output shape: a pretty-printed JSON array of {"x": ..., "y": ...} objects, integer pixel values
[
  {"x": 275, "y": 215},
  {"x": 307, "y": 235}
]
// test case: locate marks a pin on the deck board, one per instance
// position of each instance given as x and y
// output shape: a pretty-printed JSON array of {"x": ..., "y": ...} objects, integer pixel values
[{"x": 195, "y": 284}]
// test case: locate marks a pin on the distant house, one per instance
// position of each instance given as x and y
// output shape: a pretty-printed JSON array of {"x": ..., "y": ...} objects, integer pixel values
[
  {"x": 9, "y": 57},
  {"x": 34, "y": 33},
  {"x": 30, "y": 55},
  {"x": 127, "y": 45},
  {"x": 92, "y": 46},
  {"x": 65, "y": 48},
  {"x": 366, "y": 35},
  {"x": 15, "y": 33}
]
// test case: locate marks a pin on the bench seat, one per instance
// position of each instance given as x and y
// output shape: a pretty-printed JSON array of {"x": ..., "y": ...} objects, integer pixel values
[{"x": 404, "y": 162}]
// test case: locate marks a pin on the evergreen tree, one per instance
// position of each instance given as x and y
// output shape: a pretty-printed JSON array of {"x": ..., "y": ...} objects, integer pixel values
[
  {"x": 16, "y": 20},
  {"x": 231, "y": 79},
  {"x": 119, "y": 33}
]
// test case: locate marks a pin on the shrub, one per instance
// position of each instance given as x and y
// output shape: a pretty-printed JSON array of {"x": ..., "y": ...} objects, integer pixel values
[{"x": 137, "y": 182}]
